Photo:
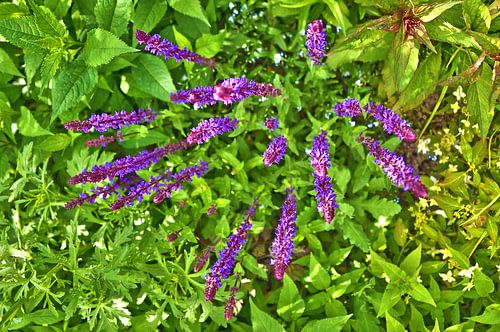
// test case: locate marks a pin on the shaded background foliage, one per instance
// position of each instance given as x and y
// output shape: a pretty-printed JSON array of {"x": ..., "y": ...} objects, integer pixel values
[{"x": 385, "y": 263}]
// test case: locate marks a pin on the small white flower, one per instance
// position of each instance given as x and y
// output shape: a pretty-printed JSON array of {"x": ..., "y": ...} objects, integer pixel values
[
  {"x": 455, "y": 107},
  {"x": 151, "y": 318},
  {"x": 437, "y": 150},
  {"x": 252, "y": 292},
  {"x": 139, "y": 221},
  {"x": 382, "y": 222},
  {"x": 64, "y": 244},
  {"x": 419, "y": 280},
  {"x": 469, "y": 286},
  {"x": 446, "y": 253},
  {"x": 100, "y": 244},
  {"x": 466, "y": 123},
  {"x": 423, "y": 145},
  {"x": 141, "y": 299},
  {"x": 452, "y": 168},
  {"x": 441, "y": 213},
  {"x": 459, "y": 93},
  {"x": 125, "y": 320},
  {"x": 447, "y": 277},
  {"x": 82, "y": 230},
  {"x": 245, "y": 281}
]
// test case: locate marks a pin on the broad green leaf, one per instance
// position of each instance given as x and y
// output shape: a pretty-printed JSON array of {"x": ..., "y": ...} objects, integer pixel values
[
  {"x": 339, "y": 255},
  {"x": 379, "y": 265},
  {"x": 7, "y": 66},
  {"x": 417, "y": 320},
  {"x": 355, "y": 234},
  {"x": 320, "y": 278},
  {"x": 149, "y": 13},
  {"x": 113, "y": 15},
  {"x": 10, "y": 10},
  {"x": 49, "y": 67},
  {"x": 459, "y": 257},
  {"x": 441, "y": 30},
  {"x": 490, "y": 316},
  {"x": 340, "y": 19},
  {"x": 422, "y": 83},
  {"x": 151, "y": 75},
  {"x": 479, "y": 100},
  {"x": 209, "y": 45},
  {"x": 338, "y": 289},
  {"x": 251, "y": 264},
  {"x": 484, "y": 285},
  {"x": 55, "y": 143},
  {"x": 58, "y": 7},
  {"x": 290, "y": 304},
  {"x": 405, "y": 60},
  {"x": 73, "y": 82},
  {"x": 342, "y": 177},
  {"x": 477, "y": 16},
  {"x": 28, "y": 126},
  {"x": 28, "y": 32},
  {"x": 365, "y": 319},
  {"x": 428, "y": 12},
  {"x": 46, "y": 316},
  {"x": 333, "y": 324},
  {"x": 380, "y": 207},
  {"x": 392, "y": 295},
  {"x": 190, "y": 8},
  {"x": 411, "y": 262},
  {"x": 181, "y": 40},
  {"x": 47, "y": 22},
  {"x": 392, "y": 324},
  {"x": 300, "y": 4},
  {"x": 420, "y": 293},
  {"x": 262, "y": 322},
  {"x": 102, "y": 46}
]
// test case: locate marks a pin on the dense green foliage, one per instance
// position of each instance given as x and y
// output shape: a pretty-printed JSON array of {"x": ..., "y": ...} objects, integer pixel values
[{"x": 387, "y": 262}]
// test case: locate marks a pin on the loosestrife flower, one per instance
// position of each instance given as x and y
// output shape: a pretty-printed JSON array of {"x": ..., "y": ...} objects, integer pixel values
[
  {"x": 228, "y": 91},
  {"x": 169, "y": 49},
  {"x": 103, "y": 140},
  {"x": 316, "y": 41},
  {"x": 224, "y": 266},
  {"x": 209, "y": 128},
  {"x": 320, "y": 154},
  {"x": 103, "y": 122},
  {"x": 275, "y": 151},
  {"x": 395, "y": 168},
  {"x": 285, "y": 232},
  {"x": 230, "y": 304},
  {"x": 103, "y": 192},
  {"x": 271, "y": 123},
  {"x": 391, "y": 122},
  {"x": 349, "y": 107}
]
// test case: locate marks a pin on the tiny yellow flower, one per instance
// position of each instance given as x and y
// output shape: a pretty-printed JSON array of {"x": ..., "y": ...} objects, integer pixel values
[
  {"x": 468, "y": 287},
  {"x": 455, "y": 107}
]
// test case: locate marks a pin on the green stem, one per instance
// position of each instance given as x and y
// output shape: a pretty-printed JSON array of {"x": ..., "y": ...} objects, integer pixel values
[
  {"x": 490, "y": 204},
  {"x": 434, "y": 111}
]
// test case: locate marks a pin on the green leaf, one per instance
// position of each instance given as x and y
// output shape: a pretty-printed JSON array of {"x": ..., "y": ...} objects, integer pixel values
[
  {"x": 149, "y": 13},
  {"x": 152, "y": 76},
  {"x": 29, "y": 32},
  {"x": 380, "y": 265},
  {"x": 102, "y": 46},
  {"x": 28, "y": 126},
  {"x": 459, "y": 257},
  {"x": 441, "y": 30},
  {"x": 422, "y": 83},
  {"x": 334, "y": 324},
  {"x": 411, "y": 262},
  {"x": 113, "y": 15},
  {"x": 365, "y": 319},
  {"x": 7, "y": 66},
  {"x": 262, "y": 322},
  {"x": 391, "y": 296},
  {"x": 417, "y": 320},
  {"x": 250, "y": 263},
  {"x": 190, "y": 8},
  {"x": 10, "y": 10},
  {"x": 380, "y": 207},
  {"x": 290, "y": 304},
  {"x": 209, "y": 45},
  {"x": 339, "y": 255},
  {"x": 428, "y": 12},
  {"x": 405, "y": 60},
  {"x": 479, "y": 100},
  {"x": 476, "y": 15},
  {"x": 73, "y": 82},
  {"x": 420, "y": 293},
  {"x": 355, "y": 234},
  {"x": 50, "y": 65},
  {"x": 491, "y": 315},
  {"x": 392, "y": 324},
  {"x": 55, "y": 143},
  {"x": 320, "y": 278},
  {"x": 300, "y": 4},
  {"x": 340, "y": 19},
  {"x": 484, "y": 285}
]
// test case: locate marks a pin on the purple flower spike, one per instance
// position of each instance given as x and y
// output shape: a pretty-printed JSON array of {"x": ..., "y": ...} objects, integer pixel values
[
  {"x": 325, "y": 196},
  {"x": 209, "y": 128},
  {"x": 199, "y": 96},
  {"x": 271, "y": 123},
  {"x": 395, "y": 168},
  {"x": 349, "y": 107},
  {"x": 169, "y": 49},
  {"x": 224, "y": 266},
  {"x": 102, "y": 122},
  {"x": 316, "y": 41},
  {"x": 285, "y": 232},
  {"x": 275, "y": 151},
  {"x": 230, "y": 304},
  {"x": 101, "y": 141},
  {"x": 320, "y": 154},
  {"x": 391, "y": 122}
]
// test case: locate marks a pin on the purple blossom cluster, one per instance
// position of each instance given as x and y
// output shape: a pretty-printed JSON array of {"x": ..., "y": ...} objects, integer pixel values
[
  {"x": 391, "y": 122},
  {"x": 395, "y": 168},
  {"x": 103, "y": 140},
  {"x": 285, "y": 232},
  {"x": 224, "y": 266},
  {"x": 164, "y": 47},
  {"x": 271, "y": 123},
  {"x": 349, "y": 107},
  {"x": 316, "y": 41},
  {"x": 228, "y": 91},
  {"x": 275, "y": 151},
  {"x": 230, "y": 304},
  {"x": 320, "y": 161},
  {"x": 103, "y": 192},
  {"x": 103, "y": 122},
  {"x": 210, "y": 128}
]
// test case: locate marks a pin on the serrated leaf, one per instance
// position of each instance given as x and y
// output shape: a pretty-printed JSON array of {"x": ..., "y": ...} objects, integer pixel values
[
  {"x": 10, "y": 10},
  {"x": 209, "y": 45},
  {"x": 152, "y": 76},
  {"x": 411, "y": 262},
  {"x": 102, "y": 46},
  {"x": 27, "y": 32},
  {"x": 290, "y": 304},
  {"x": 190, "y": 8},
  {"x": 113, "y": 15},
  {"x": 380, "y": 207},
  {"x": 50, "y": 65},
  {"x": 479, "y": 102},
  {"x": 476, "y": 15},
  {"x": 73, "y": 82},
  {"x": 356, "y": 236},
  {"x": 420, "y": 293},
  {"x": 334, "y": 324},
  {"x": 365, "y": 319},
  {"x": 319, "y": 276},
  {"x": 441, "y": 30},
  {"x": 149, "y": 13},
  {"x": 7, "y": 66},
  {"x": 28, "y": 126},
  {"x": 55, "y": 143},
  {"x": 262, "y": 322}
]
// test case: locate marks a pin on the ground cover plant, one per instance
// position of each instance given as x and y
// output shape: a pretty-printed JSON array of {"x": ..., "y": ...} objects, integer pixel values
[{"x": 205, "y": 165}]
